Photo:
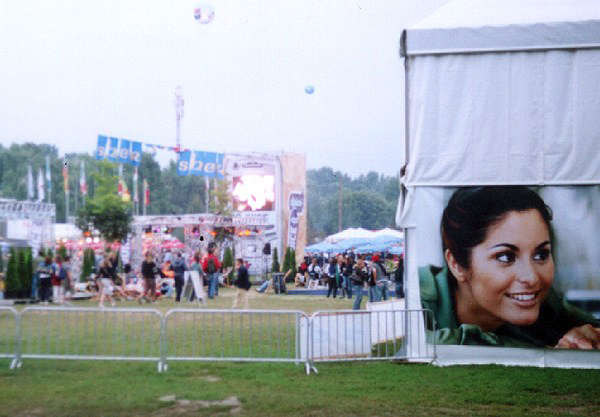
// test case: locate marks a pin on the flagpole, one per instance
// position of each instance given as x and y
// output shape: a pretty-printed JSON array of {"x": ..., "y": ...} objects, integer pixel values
[
  {"x": 49, "y": 179},
  {"x": 66, "y": 187}
]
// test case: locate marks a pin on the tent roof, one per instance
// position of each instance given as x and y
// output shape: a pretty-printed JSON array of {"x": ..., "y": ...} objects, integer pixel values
[{"x": 462, "y": 26}]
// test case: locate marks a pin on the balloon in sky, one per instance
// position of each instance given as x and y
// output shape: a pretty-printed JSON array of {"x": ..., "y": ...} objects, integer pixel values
[
  {"x": 204, "y": 13},
  {"x": 309, "y": 89}
]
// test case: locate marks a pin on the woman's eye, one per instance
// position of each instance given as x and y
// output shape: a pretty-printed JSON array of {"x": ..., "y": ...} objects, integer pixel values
[
  {"x": 542, "y": 255},
  {"x": 505, "y": 257}
]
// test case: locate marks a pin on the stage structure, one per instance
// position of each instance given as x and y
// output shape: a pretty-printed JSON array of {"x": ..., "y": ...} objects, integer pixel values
[
  {"x": 27, "y": 223},
  {"x": 268, "y": 210}
]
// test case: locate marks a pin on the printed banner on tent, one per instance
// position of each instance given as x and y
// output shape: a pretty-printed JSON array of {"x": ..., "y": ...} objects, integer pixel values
[{"x": 528, "y": 256}]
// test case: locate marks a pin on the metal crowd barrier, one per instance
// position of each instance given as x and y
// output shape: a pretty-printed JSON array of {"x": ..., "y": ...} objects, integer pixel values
[
  {"x": 235, "y": 336},
  {"x": 359, "y": 335},
  {"x": 135, "y": 334},
  {"x": 9, "y": 323},
  {"x": 89, "y": 334}
]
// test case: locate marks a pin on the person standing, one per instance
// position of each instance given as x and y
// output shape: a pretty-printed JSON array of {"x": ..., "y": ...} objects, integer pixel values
[
  {"x": 360, "y": 275},
  {"x": 399, "y": 278},
  {"x": 371, "y": 280},
  {"x": 195, "y": 266},
  {"x": 211, "y": 266},
  {"x": 149, "y": 271},
  {"x": 314, "y": 274},
  {"x": 381, "y": 281},
  {"x": 45, "y": 271},
  {"x": 57, "y": 277},
  {"x": 333, "y": 273},
  {"x": 178, "y": 267},
  {"x": 242, "y": 283},
  {"x": 67, "y": 282},
  {"x": 35, "y": 279}
]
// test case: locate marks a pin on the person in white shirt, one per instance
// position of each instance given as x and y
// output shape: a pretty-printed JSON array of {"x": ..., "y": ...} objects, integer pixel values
[{"x": 314, "y": 274}]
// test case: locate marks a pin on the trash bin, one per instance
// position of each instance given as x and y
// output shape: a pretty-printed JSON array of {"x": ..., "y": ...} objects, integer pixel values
[{"x": 279, "y": 283}]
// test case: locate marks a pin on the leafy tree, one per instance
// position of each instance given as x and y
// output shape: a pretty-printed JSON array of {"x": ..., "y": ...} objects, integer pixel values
[
  {"x": 106, "y": 211},
  {"x": 275, "y": 267},
  {"x": 1, "y": 261}
]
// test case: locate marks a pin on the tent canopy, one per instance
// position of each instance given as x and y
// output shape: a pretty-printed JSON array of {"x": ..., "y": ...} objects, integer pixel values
[{"x": 505, "y": 25}]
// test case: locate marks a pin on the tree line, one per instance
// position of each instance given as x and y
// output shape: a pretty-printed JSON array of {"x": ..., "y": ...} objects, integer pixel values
[{"x": 368, "y": 201}]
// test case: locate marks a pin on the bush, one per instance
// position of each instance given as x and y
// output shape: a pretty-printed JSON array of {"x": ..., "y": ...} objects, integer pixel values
[
  {"x": 275, "y": 267},
  {"x": 13, "y": 284},
  {"x": 228, "y": 262},
  {"x": 286, "y": 260},
  {"x": 24, "y": 270},
  {"x": 88, "y": 264}
]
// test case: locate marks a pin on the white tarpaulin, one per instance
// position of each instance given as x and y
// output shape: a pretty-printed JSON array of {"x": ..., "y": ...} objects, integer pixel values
[
  {"x": 503, "y": 92},
  {"x": 518, "y": 117}
]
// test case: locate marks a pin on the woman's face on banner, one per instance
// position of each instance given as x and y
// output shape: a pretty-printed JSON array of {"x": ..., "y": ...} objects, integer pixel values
[{"x": 512, "y": 270}]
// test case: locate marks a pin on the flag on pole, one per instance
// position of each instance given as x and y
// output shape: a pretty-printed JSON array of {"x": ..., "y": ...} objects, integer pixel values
[
  {"x": 30, "y": 195},
  {"x": 65, "y": 173},
  {"x": 48, "y": 179},
  {"x": 146, "y": 193},
  {"x": 135, "y": 185},
  {"x": 120, "y": 181},
  {"x": 82, "y": 182},
  {"x": 125, "y": 195},
  {"x": 40, "y": 186}
]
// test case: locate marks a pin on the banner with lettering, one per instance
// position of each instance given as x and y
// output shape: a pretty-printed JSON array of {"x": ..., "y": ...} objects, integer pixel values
[{"x": 124, "y": 151}]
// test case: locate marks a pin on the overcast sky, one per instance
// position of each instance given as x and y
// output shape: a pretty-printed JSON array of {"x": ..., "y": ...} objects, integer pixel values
[{"x": 74, "y": 69}]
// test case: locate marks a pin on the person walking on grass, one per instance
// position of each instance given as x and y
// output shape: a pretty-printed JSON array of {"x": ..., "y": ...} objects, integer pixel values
[
  {"x": 178, "y": 267},
  {"x": 106, "y": 283},
  {"x": 242, "y": 284},
  {"x": 149, "y": 271}
]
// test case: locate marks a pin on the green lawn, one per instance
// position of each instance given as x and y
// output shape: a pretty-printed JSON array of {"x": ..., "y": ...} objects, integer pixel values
[
  {"x": 65, "y": 388},
  {"x": 77, "y": 388}
]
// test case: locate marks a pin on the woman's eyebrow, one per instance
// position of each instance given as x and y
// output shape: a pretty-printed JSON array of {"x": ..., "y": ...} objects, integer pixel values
[
  {"x": 541, "y": 245},
  {"x": 508, "y": 245}
]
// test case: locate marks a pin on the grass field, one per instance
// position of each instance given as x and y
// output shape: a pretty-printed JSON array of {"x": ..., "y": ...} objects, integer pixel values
[{"x": 77, "y": 388}]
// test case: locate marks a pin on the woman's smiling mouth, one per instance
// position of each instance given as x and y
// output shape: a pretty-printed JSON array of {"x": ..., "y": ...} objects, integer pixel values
[{"x": 524, "y": 299}]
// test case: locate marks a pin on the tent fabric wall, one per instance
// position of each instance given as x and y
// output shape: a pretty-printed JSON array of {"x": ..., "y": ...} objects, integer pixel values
[
  {"x": 503, "y": 92},
  {"x": 504, "y": 118}
]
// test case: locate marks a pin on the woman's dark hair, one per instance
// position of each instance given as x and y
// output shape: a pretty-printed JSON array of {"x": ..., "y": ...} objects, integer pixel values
[{"x": 472, "y": 210}]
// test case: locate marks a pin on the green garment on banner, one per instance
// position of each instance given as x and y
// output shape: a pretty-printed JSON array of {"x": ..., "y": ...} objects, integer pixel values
[{"x": 556, "y": 317}]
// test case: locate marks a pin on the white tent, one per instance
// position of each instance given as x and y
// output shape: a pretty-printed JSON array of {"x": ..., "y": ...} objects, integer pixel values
[
  {"x": 389, "y": 232},
  {"x": 351, "y": 233},
  {"x": 504, "y": 92}
]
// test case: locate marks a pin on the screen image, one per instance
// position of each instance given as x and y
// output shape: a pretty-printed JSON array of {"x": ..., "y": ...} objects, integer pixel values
[
  {"x": 508, "y": 266},
  {"x": 253, "y": 192}
]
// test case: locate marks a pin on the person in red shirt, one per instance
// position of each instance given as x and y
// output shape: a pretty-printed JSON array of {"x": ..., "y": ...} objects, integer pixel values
[{"x": 211, "y": 267}]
